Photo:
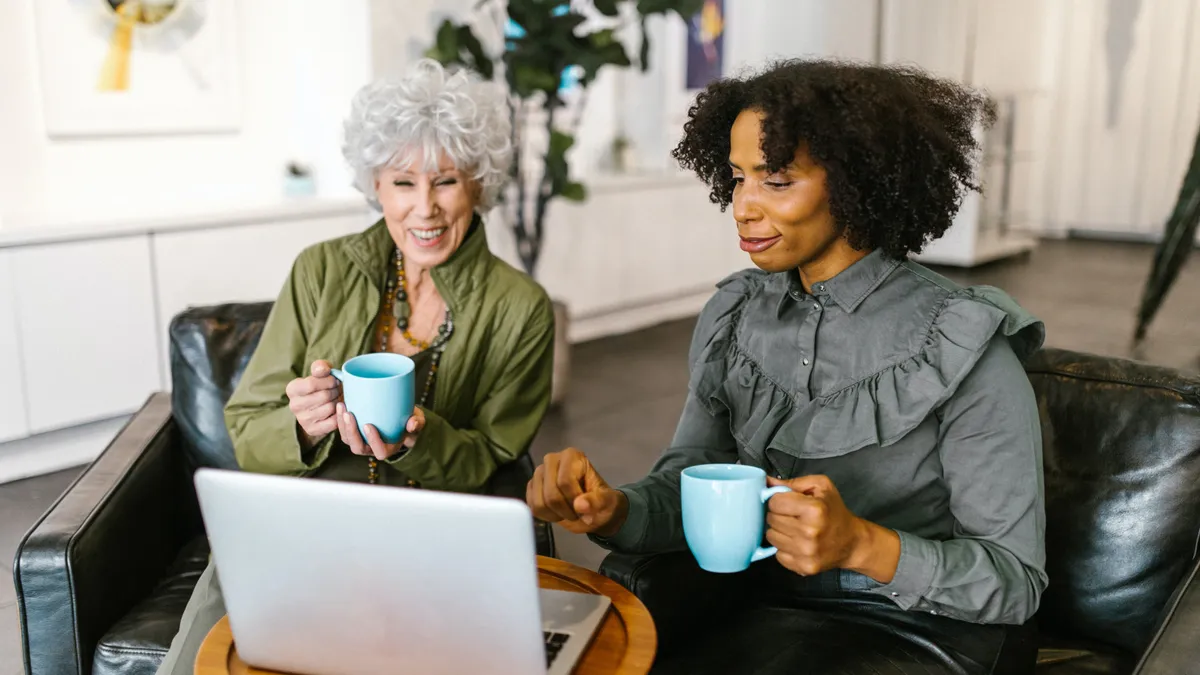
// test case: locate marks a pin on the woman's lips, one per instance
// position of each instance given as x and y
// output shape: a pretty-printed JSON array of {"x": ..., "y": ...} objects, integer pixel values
[
  {"x": 430, "y": 238},
  {"x": 758, "y": 244}
]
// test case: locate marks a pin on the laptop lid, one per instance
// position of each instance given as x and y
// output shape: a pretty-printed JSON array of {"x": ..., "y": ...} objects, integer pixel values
[{"x": 336, "y": 578}]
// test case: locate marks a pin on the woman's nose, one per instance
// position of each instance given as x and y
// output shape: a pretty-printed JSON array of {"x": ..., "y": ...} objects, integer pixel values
[
  {"x": 745, "y": 206},
  {"x": 427, "y": 203}
]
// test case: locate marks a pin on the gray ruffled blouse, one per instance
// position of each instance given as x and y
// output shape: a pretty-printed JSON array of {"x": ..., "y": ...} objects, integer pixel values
[{"x": 907, "y": 391}]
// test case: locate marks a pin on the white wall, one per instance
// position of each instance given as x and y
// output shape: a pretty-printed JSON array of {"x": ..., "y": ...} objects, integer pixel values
[
  {"x": 1119, "y": 175},
  {"x": 299, "y": 64}
]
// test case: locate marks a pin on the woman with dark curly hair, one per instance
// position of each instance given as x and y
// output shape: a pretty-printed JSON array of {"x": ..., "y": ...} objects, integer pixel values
[{"x": 890, "y": 400}]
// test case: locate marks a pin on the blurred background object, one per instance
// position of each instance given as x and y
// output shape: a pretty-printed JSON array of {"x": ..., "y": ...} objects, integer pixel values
[{"x": 1173, "y": 251}]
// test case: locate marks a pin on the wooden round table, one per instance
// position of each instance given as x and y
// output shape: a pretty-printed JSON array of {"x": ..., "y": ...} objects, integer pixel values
[{"x": 625, "y": 643}]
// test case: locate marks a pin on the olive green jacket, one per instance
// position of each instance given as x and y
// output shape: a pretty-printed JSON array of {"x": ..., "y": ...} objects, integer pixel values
[{"x": 493, "y": 383}]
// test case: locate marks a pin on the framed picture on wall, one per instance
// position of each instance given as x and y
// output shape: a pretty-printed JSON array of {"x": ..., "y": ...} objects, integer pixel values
[
  {"x": 694, "y": 56},
  {"x": 132, "y": 67},
  {"x": 706, "y": 45}
]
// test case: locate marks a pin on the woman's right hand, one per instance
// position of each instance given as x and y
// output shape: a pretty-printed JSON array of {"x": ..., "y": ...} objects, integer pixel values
[
  {"x": 313, "y": 400},
  {"x": 566, "y": 490}
]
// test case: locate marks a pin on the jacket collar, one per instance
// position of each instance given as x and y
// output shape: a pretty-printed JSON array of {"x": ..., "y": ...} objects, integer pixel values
[
  {"x": 371, "y": 252},
  {"x": 850, "y": 287}
]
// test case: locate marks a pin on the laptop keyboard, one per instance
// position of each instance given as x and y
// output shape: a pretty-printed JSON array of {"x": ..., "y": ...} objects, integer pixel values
[{"x": 554, "y": 644}]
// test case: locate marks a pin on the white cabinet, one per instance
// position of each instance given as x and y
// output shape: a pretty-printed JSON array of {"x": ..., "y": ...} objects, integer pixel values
[
  {"x": 234, "y": 264},
  {"x": 85, "y": 320},
  {"x": 636, "y": 243},
  {"x": 13, "y": 420}
]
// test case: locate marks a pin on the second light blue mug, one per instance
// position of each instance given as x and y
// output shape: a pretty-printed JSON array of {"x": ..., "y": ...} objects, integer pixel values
[
  {"x": 378, "y": 389},
  {"x": 724, "y": 514}
]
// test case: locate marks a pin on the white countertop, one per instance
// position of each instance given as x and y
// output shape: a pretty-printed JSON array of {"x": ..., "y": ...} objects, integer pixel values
[{"x": 31, "y": 231}]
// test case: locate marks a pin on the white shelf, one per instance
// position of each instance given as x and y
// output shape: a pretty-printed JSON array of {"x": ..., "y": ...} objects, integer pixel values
[{"x": 31, "y": 231}]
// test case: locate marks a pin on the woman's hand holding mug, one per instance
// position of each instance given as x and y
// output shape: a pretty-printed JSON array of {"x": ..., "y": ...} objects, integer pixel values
[
  {"x": 313, "y": 401},
  {"x": 373, "y": 444},
  {"x": 815, "y": 531}
]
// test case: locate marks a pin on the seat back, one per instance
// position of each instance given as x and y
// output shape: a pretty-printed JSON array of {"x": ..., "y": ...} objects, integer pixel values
[
  {"x": 1122, "y": 469},
  {"x": 209, "y": 348}
]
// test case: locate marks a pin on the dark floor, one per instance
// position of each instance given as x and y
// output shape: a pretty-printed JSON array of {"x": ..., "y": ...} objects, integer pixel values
[{"x": 627, "y": 391}]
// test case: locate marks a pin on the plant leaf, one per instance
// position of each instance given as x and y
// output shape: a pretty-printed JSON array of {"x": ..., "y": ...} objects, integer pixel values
[
  {"x": 644, "y": 52},
  {"x": 606, "y": 7},
  {"x": 684, "y": 8},
  {"x": 480, "y": 61},
  {"x": 528, "y": 80},
  {"x": 447, "y": 39},
  {"x": 560, "y": 143},
  {"x": 575, "y": 192}
]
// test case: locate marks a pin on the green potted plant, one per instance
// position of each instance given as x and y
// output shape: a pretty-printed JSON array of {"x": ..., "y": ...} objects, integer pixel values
[{"x": 545, "y": 42}]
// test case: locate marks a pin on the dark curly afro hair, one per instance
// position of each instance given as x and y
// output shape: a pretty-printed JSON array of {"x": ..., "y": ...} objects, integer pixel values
[{"x": 897, "y": 144}]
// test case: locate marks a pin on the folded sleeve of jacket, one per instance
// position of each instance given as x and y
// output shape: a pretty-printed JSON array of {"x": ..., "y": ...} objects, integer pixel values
[
  {"x": 261, "y": 425},
  {"x": 464, "y": 459}
]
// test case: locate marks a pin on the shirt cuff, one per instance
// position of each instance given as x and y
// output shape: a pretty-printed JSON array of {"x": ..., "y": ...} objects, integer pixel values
[
  {"x": 633, "y": 530},
  {"x": 914, "y": 573}
]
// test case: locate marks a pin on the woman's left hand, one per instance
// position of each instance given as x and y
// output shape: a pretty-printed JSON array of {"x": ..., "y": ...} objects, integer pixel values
[
  {"x": 815, "y": 531},
  {"x": 374, "y": 444}
]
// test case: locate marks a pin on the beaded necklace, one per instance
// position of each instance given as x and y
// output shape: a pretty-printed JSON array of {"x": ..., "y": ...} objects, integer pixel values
[{"x": 396, "y": 310}]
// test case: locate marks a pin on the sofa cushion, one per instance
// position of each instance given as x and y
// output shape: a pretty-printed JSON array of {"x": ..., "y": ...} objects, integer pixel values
[
  {"x": 1122, "y": 481},
  {"x": 137, "y": 643},
  {"x": 210, "y": 347}
]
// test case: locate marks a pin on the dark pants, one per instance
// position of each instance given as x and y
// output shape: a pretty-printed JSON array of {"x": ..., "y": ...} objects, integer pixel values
[{"x": 780, "y": 622}]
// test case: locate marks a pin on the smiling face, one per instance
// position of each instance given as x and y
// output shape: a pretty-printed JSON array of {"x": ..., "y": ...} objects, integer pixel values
[
  {"x": 783, "y": 218},
  {"x": 428, "y": 213}
]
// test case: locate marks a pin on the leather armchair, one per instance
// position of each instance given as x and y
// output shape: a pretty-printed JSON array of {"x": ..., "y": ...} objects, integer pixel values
[
  {"x": 103, "y": 577},
  {"x": 1122, "y": 481}
]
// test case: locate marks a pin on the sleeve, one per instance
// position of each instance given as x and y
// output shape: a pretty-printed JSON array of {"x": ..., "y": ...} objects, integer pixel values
[
  {"x": 464, "y": 459},
  {"x": 654, "y": 523},
  {"x": 655, "y": 520},
  {"x": 261, "y": 425},
  {"x": 993, "y": 569}
]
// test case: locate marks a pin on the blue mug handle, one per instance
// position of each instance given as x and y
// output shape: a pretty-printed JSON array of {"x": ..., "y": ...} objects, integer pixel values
[
  {"x": 337, "y": 374},
  {"x": 767, "y": 493}
]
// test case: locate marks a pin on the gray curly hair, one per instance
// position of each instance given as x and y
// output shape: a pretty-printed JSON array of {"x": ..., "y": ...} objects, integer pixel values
[{"x": 429, "y": 110}]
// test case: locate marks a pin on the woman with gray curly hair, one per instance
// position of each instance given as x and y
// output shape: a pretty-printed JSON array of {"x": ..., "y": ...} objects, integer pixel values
[{"x": 432, "y": 152}]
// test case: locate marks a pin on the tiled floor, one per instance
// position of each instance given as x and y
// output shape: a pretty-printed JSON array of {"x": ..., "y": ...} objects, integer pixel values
[{"x": 627, "y": 391}]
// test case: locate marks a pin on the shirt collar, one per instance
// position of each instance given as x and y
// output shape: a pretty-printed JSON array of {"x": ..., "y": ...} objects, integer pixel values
[{"x": 851, "y": 286}]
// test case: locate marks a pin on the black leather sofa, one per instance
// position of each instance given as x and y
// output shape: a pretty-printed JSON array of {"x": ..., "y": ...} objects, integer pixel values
[
  {"x": 103, "y": 577},
  {"x": 1122, "y": 482}
]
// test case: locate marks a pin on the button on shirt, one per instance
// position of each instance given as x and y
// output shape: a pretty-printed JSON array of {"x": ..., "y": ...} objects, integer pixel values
[{"x": 903, "y": 388}]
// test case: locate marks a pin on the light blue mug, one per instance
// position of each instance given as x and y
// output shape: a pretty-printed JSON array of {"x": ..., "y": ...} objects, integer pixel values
[
  {"x": 378, "y": 389},
  {"x": 724, "y": 514}
]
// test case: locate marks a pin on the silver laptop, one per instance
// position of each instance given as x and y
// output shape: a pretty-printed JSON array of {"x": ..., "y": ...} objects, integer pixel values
[{"x": 333, "y": 578}]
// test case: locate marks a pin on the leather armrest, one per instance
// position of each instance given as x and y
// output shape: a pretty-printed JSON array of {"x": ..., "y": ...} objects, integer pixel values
[
  {"x": 678, "y": 594},
  {"x": 1174, "y": 650},
  {"x": 510, "y": 481},
  {"x": 105, "y": 543}
]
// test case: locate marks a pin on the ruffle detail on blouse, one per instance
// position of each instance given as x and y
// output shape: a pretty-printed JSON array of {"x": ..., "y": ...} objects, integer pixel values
[{"x": 879, "y": 409}]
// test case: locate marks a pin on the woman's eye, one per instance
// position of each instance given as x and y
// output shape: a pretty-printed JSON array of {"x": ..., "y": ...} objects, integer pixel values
[
  {"x": 778, "y": 185},
  {"x": 738, "y": 180},
  {"x": 402, "y": 183},
  {"x": 450, "y": 181}
]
